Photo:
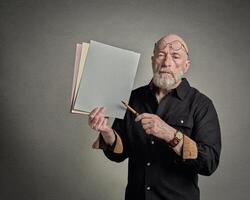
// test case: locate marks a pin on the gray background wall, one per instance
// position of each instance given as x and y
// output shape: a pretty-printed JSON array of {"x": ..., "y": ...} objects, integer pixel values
[{"x": 45, "y": 152}]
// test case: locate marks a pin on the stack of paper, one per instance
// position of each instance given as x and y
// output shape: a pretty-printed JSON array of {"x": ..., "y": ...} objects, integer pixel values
[{"x": 103, "y": 76}]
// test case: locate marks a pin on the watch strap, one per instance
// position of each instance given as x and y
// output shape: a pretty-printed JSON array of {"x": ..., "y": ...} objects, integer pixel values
[{"x": 175, "y": 141}]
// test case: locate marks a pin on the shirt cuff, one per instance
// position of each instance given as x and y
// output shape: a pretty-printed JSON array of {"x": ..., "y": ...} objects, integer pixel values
[
  {"x": 117, "y": 147},
  {"x": 189, "y": 149}
]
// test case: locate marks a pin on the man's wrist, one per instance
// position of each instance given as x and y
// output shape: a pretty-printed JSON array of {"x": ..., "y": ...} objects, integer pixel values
[
  {"x": 178, "y": 137},
  {"x": 109, "y": 137},
  {"x": 171, "y": 134}
]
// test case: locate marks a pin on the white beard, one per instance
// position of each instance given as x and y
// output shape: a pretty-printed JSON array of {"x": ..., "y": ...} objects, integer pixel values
[{"x": 167, "y": 83}]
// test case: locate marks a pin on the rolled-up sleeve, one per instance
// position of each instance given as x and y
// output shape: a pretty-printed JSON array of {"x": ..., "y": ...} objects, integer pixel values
[
  {"x": 207, "y": 139},
  {"x": 117, "y": 147},
  {"x": 189, "y": 149}
]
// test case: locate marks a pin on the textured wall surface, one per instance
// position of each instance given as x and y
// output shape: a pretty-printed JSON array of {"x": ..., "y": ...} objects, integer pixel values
[{"x": 45, "y": 152}]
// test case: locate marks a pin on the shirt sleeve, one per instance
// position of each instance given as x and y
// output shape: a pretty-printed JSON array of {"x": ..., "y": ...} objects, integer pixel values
[
  {"x": 206, "y": 139},
  {"x": 117, "y": 147},
  {"x": 189, "y": 148},
  {"x": 189, "y": 151}
]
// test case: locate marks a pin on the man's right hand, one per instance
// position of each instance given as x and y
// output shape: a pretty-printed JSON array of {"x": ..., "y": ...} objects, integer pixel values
[{"x": 98, "y": 122}]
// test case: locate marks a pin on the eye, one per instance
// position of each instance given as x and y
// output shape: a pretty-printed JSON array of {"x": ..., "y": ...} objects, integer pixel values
[
  {"x": 175, "y": 56},
  {"x": 160, "y": 55}
]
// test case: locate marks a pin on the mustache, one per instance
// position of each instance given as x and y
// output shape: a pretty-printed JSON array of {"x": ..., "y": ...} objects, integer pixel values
[{"x": 165, "y": 71}]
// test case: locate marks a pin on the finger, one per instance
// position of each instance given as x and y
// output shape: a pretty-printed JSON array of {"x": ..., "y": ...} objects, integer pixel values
[
  {"x": 147, "y": 126},
  {"x": 103, "y": 125},
  {"x": 101, "y": 111},
  {"x": 151, "y": 130},
  {"x": 93, "y": 113},
  {"x": 91, "y": 116},
  {"x": 96, "y": 121},
  {"x": 100, "y": 123},
  {"x": 148, "y": 131},
  {"x": 146, "y": 121},
  {"x": 148, "y": 115},
  {"x": 139, "y": 117},
  {"x": 142, "y": 116},
  {"x": 98, "y": 111},
  {"x": 95, "y": 117}
]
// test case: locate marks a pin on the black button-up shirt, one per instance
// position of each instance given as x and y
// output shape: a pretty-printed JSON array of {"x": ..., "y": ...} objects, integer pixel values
[{"x": 155, "y": 171}]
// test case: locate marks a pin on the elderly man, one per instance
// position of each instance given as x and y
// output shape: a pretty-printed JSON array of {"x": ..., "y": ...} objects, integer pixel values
[{"x": 175, "y": 137}]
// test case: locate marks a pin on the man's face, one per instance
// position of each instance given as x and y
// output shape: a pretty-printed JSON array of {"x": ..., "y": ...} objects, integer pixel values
[{"x": 169, "y": 62}]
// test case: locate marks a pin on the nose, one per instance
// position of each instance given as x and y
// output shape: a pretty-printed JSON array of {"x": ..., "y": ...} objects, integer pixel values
[{"x": 168, "y": 61}]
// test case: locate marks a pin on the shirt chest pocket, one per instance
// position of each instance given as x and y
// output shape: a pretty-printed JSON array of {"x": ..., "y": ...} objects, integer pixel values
[{"x": 184, "y": 123}]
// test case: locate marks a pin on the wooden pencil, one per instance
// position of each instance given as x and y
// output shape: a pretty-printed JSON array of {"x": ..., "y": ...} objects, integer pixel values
[{"x": 130, "y": 108}]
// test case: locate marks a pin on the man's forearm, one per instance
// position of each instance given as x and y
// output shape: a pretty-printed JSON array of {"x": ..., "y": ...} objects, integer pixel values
[
  {"x": 109, "y": 138},
  {"x": 118, "y": 146}
]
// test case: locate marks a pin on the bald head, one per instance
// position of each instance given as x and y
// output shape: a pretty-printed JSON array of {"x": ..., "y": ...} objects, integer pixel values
[
  {"x": 170, "y": 57},
  {"x": 169, "y": 39}
]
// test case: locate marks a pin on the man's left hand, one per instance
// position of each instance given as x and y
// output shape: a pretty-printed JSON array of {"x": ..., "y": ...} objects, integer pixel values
[{"x": 154, "y": 125}]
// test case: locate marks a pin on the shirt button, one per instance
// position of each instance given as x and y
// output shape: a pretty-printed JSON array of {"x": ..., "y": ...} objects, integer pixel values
[
  {"x": 152, "y": 141},
  {"x": 148, "y": 188},
  {"x": 182, "y": 121},
  {"x": 148, "y": 164}
]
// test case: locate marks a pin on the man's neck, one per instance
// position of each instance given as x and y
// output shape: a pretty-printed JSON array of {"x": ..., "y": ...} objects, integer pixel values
[{"x": 161, "y": 93}]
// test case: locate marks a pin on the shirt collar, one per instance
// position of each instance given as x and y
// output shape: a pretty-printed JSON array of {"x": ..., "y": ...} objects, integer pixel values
[
  {"x": 180, "y": 91},
  {"x": 183, "y": 88}
]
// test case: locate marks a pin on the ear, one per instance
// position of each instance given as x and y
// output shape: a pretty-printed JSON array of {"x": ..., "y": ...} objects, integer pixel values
[
  {"x": 152, "y": 59},
  {"x": 187, "y": 65}
]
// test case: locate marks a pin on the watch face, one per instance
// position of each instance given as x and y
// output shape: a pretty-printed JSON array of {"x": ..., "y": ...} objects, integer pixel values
[{"x": 179, "y": 135}]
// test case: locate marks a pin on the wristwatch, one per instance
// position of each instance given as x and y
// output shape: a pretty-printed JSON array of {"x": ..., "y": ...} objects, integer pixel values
[{"x": 177, "y": 138}]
